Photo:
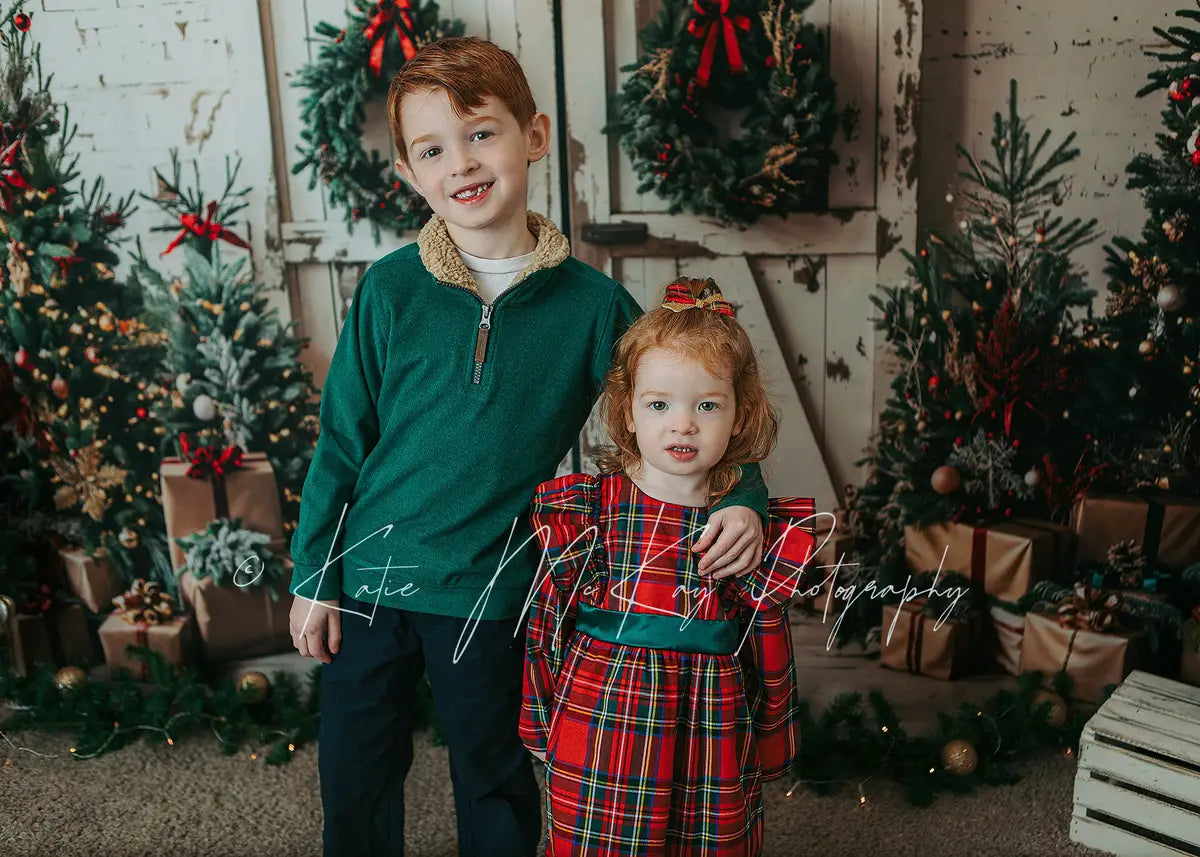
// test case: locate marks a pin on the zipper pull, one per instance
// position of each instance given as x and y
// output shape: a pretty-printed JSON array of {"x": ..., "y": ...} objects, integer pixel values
[
  {"x": 481, "y": 338},
  {"x": 485, "y": 324}
]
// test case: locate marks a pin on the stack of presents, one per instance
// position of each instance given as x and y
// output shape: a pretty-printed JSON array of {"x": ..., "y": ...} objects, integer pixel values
[
  {"x": 1116, "y": 590},
  {"x": 219, "y": 605}
]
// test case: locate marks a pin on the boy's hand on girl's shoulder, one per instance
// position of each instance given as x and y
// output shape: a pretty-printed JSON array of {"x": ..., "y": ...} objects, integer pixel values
[
  {"x": 316, "y": 628},
  {"x": 731, "y": 544}
]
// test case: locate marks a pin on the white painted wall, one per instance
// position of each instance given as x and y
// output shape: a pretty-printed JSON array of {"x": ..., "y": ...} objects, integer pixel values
[
  {"x": 142, "y": 76},
  {"x": 1078, "y": 65}
]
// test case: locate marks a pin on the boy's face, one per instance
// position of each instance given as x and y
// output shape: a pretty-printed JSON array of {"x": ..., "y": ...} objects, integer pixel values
[
  {"x": 683, "y": 416},
  {"x": 473, "y": 171}
]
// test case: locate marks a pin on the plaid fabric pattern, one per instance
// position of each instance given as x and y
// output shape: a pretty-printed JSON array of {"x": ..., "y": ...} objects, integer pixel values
[{"x": 655, "y": 751}]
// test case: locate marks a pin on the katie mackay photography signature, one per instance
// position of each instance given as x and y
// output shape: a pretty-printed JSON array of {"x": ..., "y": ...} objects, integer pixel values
[{"x": 250, "y": 571}]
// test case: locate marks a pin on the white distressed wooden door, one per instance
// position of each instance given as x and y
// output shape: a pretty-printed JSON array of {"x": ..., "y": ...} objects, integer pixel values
[
  {"x": 803, "y": 283},
  {"x": 322, "y": 259}
]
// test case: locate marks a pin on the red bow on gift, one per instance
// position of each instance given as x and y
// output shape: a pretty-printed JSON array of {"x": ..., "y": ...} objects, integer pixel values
[
  {"x": 210, "y": 461},
  {"x": 207, "y": 228},
  {"x": 711, "y": 30},
  {"x": 376, "y": 32},
  {"x": 679, "y": 298},
  {"x": 9, "y": 177}
]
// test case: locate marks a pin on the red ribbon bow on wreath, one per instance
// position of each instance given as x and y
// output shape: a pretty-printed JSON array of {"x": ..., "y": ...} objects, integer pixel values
[
  {"x": 679, "y": 297},
  {"x": 720, "y": 23},
  {"x": 376, "y": 31},
  {"x": 210, "y": 461},
  {"x": 9, "y": 177},
  {"x": 207, "y": 228}
]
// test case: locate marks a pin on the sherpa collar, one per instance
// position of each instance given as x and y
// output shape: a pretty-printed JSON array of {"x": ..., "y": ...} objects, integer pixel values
[{"x": 440, "y": 256}]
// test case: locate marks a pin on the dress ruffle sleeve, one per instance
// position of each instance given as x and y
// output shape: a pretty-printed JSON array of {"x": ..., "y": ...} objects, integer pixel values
[
  {"x": 565, "y": 518},
  {"x": 766, "y": 652}
]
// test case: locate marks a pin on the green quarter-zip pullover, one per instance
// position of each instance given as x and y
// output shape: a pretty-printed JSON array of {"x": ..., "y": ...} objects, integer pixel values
[{"x": 441, "y": 414}]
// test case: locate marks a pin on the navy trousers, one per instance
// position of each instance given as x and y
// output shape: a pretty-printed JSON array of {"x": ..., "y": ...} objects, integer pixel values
[{"x": 366, "y": 748}]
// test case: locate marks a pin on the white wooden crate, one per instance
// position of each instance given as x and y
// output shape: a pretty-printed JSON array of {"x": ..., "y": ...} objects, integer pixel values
[{"x": 1137, "y": 791}]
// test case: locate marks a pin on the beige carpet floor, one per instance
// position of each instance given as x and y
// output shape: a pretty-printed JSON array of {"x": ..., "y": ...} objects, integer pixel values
[{"x": 190, "y": 800}]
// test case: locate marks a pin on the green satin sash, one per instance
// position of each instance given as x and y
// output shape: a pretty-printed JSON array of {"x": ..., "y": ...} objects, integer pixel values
[{"x": 652, "y": 631}]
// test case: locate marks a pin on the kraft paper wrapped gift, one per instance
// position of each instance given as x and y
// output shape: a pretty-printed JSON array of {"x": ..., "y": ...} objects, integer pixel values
[
  {"x": 92, "y": 578},
  {"x": 916, "y": 646},
  {"x": 59, "y": 637},
  {"x": 173, "y": 639},
  {"x": 1092, "y": 659},
  {"x": 1004, "y": 559},
  {"x": 1004, "y": 631},
  {"x": 238, "y": 622},
  {"x": 1167, "y": 526},
  {"x": 249, "y": 493}
]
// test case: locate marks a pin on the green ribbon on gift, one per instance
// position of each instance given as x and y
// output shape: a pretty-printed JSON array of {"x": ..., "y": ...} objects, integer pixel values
[{"x": 650, "y": 631}]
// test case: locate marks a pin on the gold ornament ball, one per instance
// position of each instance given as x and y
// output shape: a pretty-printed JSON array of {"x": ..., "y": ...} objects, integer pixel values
[
  {"x": 69, "y": 679},
  {"x": 1145, "y": 346},
  {"x": 959, "y": 757},
  {"x": 253, "y": 685},
  {"x": 1058, "y": 706},
  {"x": 128, "y": 537},
  {"x": 945, "y": 479},
  {"x": 106, "y": 322}
]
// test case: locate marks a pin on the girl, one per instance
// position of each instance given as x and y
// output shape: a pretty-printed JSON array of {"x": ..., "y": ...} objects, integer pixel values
[{"x": 660, "y": 699}]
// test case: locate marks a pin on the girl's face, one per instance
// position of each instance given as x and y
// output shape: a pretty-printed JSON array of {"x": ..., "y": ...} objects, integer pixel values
[{"x": 683, "y": 416}]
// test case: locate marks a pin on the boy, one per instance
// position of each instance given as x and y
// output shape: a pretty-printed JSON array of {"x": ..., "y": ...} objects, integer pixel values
[{"x": 464, "y": 371}]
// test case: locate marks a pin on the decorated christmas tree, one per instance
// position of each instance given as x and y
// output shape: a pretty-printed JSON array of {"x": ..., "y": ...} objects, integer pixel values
[
  {"x": 237, "y": 376},
  {"x": 998, "y": 400},
  {"x": 80, "y": 447},
  {"x": 1154, "y": 294}
]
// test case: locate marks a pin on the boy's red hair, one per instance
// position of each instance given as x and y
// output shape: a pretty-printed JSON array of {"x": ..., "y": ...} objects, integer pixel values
[
  {"x": 470, "y": 69},
  {"x": 719, "y": 344}
]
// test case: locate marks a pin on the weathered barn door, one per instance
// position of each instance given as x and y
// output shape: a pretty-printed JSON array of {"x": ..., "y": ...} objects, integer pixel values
[
  {"x": 802, "y": 284},
  {"x": 322, "y": 259}
]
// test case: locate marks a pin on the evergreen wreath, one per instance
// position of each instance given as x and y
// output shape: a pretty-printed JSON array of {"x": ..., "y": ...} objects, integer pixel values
[
  {"x": 354, "y": 66},
  {"x": 702, "y": 59}
]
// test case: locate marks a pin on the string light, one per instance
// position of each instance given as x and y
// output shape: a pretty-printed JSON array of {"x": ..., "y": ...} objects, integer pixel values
[{"x": 23, "y": 749}]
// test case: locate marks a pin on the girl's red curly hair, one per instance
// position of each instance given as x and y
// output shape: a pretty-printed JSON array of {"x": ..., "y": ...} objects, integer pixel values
[{"x": 719, "y": 344}]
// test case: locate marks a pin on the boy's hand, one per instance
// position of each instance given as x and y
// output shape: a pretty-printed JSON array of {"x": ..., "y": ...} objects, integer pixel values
[
  {"x": 733, "y": 540},
  {"x": 313, "y": 624}
]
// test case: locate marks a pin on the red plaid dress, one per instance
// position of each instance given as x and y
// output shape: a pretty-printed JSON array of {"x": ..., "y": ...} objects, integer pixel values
[{"x": 655, "y": 751}]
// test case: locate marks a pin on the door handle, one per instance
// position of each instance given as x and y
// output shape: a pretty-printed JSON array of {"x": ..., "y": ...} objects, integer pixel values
[{"x": 615, "y": 233}]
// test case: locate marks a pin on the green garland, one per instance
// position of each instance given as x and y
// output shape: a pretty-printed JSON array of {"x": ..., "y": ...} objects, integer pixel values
[
  {"x": 730, "y": 55},
  {"x": 842, "y": 745},
  {"x": 354, "y": 66},
  {"x": 102, "y": 716}
]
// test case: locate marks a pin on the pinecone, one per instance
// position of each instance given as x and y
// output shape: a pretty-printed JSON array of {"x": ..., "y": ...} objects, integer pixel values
[
  {"x": 1175, "y": 227},
  {"x": 1128, "y": 563}
]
